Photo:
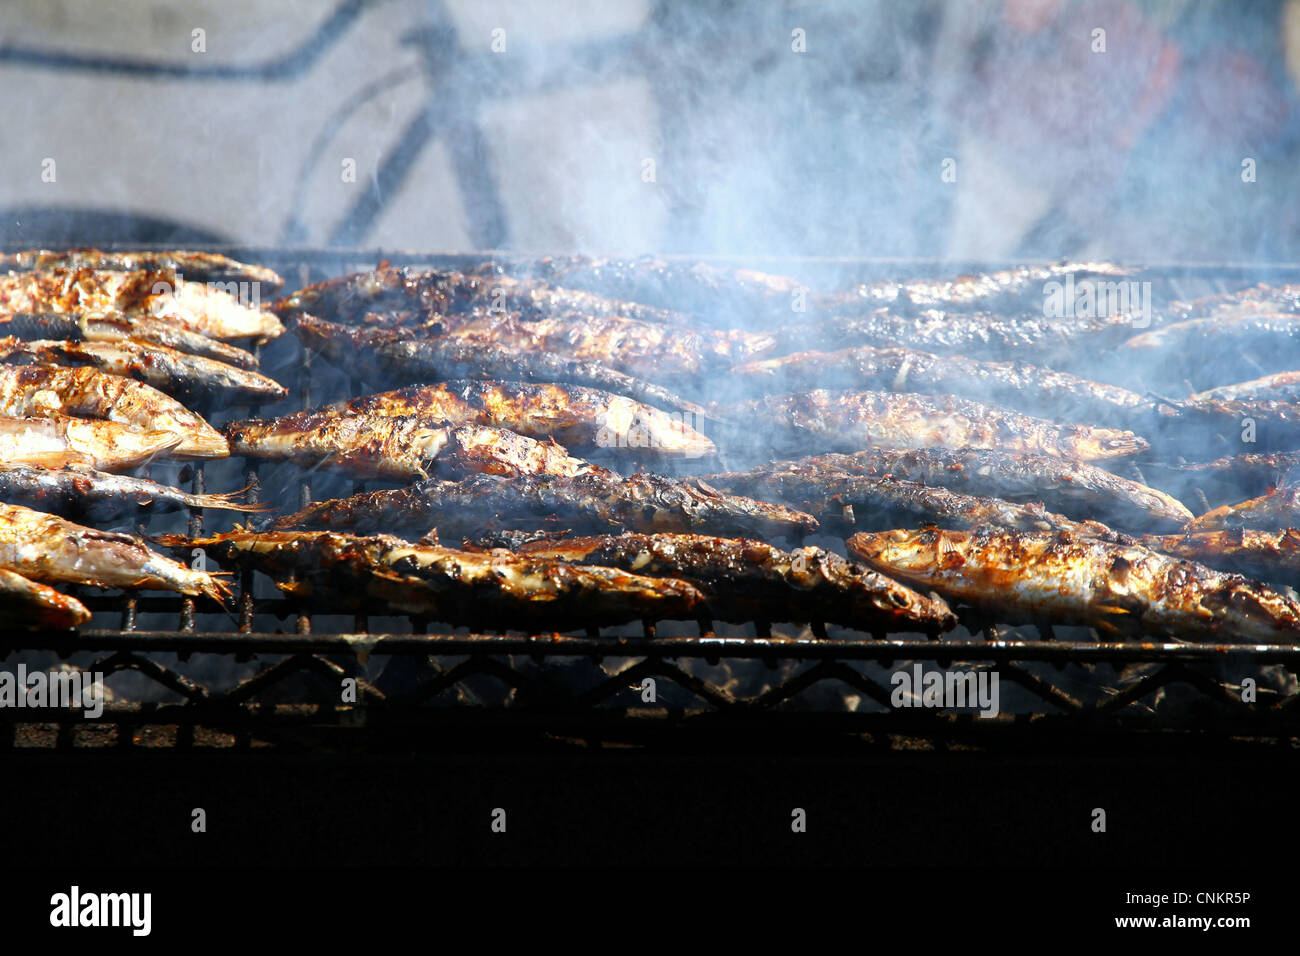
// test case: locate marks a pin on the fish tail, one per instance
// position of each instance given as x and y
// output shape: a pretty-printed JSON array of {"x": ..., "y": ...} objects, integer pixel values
[
  {"x": 228, "y": 502},
  {"x": 217, "y": 589}
]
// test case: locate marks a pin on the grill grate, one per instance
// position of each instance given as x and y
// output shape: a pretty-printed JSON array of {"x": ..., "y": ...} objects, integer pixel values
[{"x": 260, "y": 675}]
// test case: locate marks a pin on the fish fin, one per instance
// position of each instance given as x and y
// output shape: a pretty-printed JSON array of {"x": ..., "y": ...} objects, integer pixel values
[{"x": 1112, "y": 609}]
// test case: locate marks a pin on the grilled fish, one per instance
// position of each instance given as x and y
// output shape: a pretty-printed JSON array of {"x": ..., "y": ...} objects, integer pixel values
[
  {"x": 1267, "y": 555},
  {"x": 387, "y": 356},
  {"x": 58, "y": 441},
  {"x": 1256, "y": 300},
  {"x": 179, "y": 374},
  {"x": 207, "y": 266},
  {"x": 1199, "y": 425},
  {"x": 48, "y": 390},
  {"x": 649, "y": 350},
  {"x": 1209, "y": 351},
  {"x": 825, "y": 420},
  {"x": 86, "y": 495},
  {"x": 722, "y": 296},
  {"x": 46, "y": 548},
  {"x": 495, "y": 589},
  {"x": 1120, "y": 588},
  {"x": 846, "y": 501},
  {"x": 1016, "y": 289},
  {"x": 1282, "y": 387},
  {"x": 1225, "y": 480},
  {"x": 161, "y": 294},
  {"x": 577, "y": 417},
  {"x": 1029, "y": 336},
  {"x": 30, "y": 604},
  {"x": 397, "y": 447},
  {"x": 1279, "y": 508},
  {"x": 1014, "y": 384},
  {"x": 116, "y": 327},
  {"x": 1073, "y": 488},
  {"x": 598, "y": 500},
  {"x": 744, "y": 580},
  {"x": 407, "y": 295}
]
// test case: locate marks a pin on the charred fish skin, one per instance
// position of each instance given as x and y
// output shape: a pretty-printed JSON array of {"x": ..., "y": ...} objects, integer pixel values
[
  {"x": 39, "y": 390},
  {"x": 509, "y": 539},
  {"x": 647, "y": 350},
  {"x": 653, "y": 350},
  {"x": 1225, "y": 480},
  {"x": 207, "y": 266},
  {"x": 388, "y": 357},
  {"x": 1264, "y": 555},
  {"x": 744, "y": 580},
  {"x": 162, "y": 295},
  {"x": 495, "y": 589},
  {"x": 717, "y": 295},
  {"x": 1260, "y": 299},
  {"x": 57, "y": 441},
  {"x": 1206, "y": 350},
  {"x": 1120, "y": 588},
  {"x": 1277, "y": 509},
  {"x": 597, "y": 500},
  {"x": 1193, "y": 427},
  {"x": 83, "y": 494},
  {"x": 1043, "y": 391},
  {"x": 1014, "y": 289},
  {"x": 179, "y": 374},
  {"x": 1030, "y": 337},
  {"x": 29, "y": 604},
  {"x": 575, "y": 416},
  {"x": 116, "y": 327},
  {"x": 50, "y": 549},
  {"x": 1073, "y": 488},
  {"x": 533, "y": 298},
  {"x": 413, "y": 294},
  {"x": 1282, "y": 387},
  {"x": 843, "y": 502},
  {"x": 850, "y": 421},
  {"x": 401, "y": 448},
  {"x": 351, "y": 298}
]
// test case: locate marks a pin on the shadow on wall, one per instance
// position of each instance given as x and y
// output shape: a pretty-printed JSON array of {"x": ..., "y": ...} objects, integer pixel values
[{"x": 32, "y": 226}]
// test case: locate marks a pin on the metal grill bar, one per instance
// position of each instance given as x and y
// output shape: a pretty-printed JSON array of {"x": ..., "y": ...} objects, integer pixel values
[{"x": 544, "y": 646}]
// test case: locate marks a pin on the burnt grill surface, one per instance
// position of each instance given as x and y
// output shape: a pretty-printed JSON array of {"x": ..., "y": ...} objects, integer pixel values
[{"x": 267, "y": 663}]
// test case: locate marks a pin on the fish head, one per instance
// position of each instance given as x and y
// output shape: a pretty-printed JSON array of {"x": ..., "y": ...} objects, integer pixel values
[{"x": 429, "y": 442}]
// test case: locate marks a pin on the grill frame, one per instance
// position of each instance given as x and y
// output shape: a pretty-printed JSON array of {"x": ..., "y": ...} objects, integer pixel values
[{"x": 808, "y": 660}]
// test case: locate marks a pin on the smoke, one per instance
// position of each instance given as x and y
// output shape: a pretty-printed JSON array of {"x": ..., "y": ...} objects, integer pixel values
[{"x": 925, "y": 130}]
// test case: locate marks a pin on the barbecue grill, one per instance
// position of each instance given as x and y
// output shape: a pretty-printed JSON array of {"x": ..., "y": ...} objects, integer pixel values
[{"x": 269, "y": 673}]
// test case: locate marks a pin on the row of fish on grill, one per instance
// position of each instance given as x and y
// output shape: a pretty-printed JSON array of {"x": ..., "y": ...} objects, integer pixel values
[
  {"x": 104, "y": 359},
  {"x": 978, "y": 456}
]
